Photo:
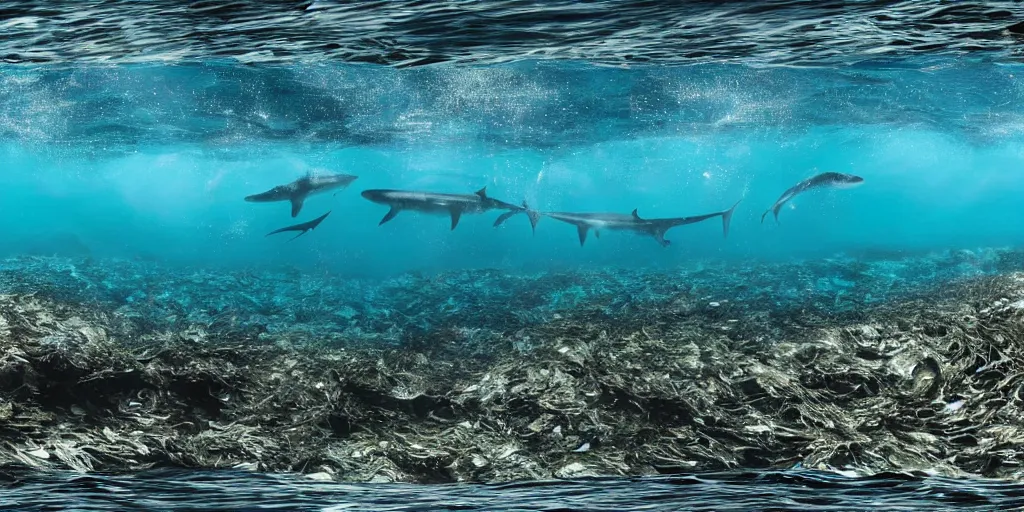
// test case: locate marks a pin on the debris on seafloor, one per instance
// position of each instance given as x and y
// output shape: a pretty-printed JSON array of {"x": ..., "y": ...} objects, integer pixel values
[{"x": 107, "y": 370}]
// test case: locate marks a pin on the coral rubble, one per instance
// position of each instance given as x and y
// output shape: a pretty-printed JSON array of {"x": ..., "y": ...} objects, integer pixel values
[{"x": 850, "y": 364}]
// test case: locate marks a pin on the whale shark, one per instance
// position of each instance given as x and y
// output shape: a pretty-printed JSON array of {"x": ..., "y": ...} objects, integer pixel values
[
  {"x": 301, "y": 227},
  {"x": 825, "y": 179},
  {"x": 297, "y": 191},
  {"x": 454, "y": 205},
  {"x": 656, "y": 228}
]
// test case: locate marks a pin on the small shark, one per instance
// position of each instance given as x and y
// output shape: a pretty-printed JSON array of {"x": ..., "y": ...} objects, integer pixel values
[
  {"x": 298, "y": 190},
  {"x": 656, "y": 228},
  {"x": 454, "y": 205},
  {"x": 303, "y": 227},
  {"x": 826, "y": 179}
]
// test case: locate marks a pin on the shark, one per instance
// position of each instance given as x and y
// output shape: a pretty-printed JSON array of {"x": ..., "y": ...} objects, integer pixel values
[
  {"x": 454, "y": 205},
  {"x": 301, "y": 227},
  {"x": 585, "y": 222},
  {"x": 825, "y": 179},
  {"x": 297, "y": 191}
]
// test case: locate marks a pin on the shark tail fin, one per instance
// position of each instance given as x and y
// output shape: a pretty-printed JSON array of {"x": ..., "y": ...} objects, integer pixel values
[
  {"x": 727, "y": 218},
  {"x": 533, "y": 215},
  {"x": 316, "y": 222},
  {"x": 774, "y": 211}
]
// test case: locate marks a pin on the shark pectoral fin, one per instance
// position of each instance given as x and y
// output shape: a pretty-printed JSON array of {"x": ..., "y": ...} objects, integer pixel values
[
  {"x": 456, "y": 215},
  {"x": 389, "y": 215},
  {"x": 297, "y": 204},
  {"x": 597, "y": 234},
  {"x": 582, "y": 231}
]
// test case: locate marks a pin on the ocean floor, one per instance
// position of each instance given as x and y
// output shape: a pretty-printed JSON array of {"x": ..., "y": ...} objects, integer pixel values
[{"x": 878, "y": 362}]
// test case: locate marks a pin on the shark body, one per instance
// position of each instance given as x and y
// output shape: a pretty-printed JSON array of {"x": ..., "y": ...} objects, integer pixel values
[
  {"x": 656, "y": 228},
  {"x": 453, "y": 205},
  {"x": 826, "y": 179},
  {"x": 297, "y": 191}
]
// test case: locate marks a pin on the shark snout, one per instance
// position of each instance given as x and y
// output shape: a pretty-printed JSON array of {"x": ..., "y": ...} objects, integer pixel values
[
  {"x": 377, "y": 196},
  {"x": 851, "y": 181}
]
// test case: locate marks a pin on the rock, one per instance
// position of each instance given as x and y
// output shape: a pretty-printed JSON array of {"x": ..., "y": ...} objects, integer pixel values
[
  {"x": 869, "y": 332},
  {"x": 574, "y": 470},
  {"x": 39, "y": 454}
]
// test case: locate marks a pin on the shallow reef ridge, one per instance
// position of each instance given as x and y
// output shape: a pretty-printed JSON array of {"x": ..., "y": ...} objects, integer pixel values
[{"x": 867, "y": 364}]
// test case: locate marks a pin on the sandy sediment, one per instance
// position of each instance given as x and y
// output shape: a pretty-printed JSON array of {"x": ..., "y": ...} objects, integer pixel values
[{"x": 929, "y": 381}]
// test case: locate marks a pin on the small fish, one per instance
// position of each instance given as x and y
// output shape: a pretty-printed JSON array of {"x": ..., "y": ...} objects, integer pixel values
[{"x": 303, "y": 227}]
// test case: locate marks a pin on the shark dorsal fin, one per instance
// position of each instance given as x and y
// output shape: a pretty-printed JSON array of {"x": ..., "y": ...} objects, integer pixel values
[
  {"x": 482, "y": 193},
  {"x": 635, "y": 214}
]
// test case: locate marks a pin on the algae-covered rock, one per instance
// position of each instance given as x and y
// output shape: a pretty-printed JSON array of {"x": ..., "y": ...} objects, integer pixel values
[{"x": 930, "y": 379}]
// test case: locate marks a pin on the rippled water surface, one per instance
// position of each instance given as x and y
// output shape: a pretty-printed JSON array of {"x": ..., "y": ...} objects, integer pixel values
[
  {"x": 157, "y": 118},
  {"x": 416, "y": 32},
  {"x": 740, "y": 491}
]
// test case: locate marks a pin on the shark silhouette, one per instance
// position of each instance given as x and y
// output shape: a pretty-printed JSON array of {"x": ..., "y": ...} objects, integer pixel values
[
  {"x": 656, "y": 228},
  {"x": 454, "y": 205},
  {"x": 826, "y": 179},
  {"x": 297, "y": 191}
]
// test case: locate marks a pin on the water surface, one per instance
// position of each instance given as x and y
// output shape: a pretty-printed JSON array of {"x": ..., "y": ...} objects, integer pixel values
[{"x": 736, "y": 491}]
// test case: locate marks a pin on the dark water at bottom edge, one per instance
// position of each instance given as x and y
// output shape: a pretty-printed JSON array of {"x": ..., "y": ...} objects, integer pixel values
[{"x": 734, "y": 491}]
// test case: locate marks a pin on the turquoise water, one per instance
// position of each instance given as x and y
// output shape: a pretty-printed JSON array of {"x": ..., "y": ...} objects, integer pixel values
[
  {"x": 153, "y": 161},
  {"x": 130, "y": 134}
]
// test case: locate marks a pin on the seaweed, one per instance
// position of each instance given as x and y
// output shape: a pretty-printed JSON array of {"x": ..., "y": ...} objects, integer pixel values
[{"x": 612, "y": 372}]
